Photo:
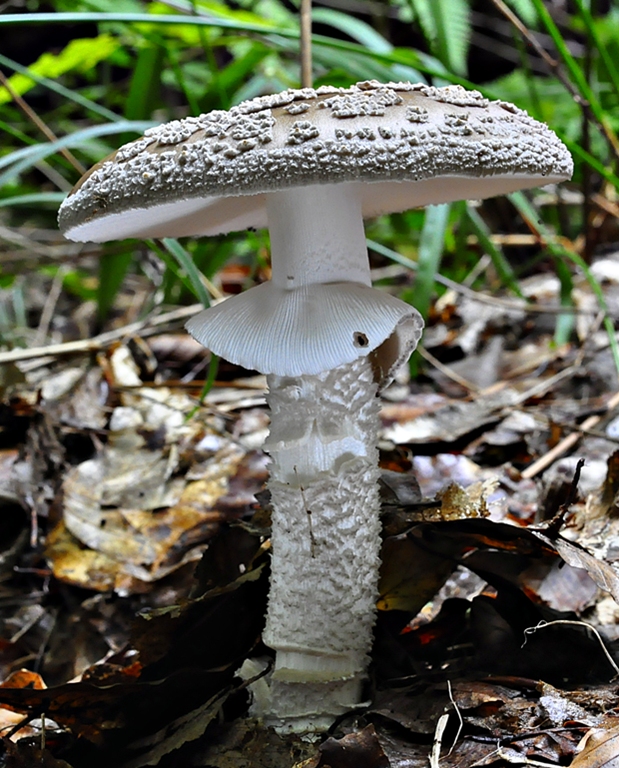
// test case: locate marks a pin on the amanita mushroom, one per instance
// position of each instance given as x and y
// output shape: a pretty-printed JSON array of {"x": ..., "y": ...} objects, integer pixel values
[{"x": 310, "y": 165}]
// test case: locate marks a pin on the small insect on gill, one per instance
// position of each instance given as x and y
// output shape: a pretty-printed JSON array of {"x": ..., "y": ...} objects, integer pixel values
[{"x": 360, "y": 339}]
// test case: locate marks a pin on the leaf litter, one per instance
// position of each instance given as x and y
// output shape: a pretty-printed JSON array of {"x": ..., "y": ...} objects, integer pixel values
[{"x": 135, "y": 546}]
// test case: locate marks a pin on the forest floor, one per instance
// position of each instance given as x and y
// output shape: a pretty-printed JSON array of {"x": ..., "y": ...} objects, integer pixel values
[{"x": 134, "y": 547}]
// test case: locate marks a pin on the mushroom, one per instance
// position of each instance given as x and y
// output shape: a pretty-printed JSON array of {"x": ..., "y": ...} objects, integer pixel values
[{"x": 310, "y": 165}]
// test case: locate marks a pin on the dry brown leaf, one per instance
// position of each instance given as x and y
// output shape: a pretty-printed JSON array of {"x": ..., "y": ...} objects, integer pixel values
[
  {"x": 73, "y": 563},
  {"x": 442, "y": 420},
  {"x": 602, "y": 573},
  {"x": 21, "y": 678},
  {"x": 133, "y": 506},
  {"x": 361, "y": 749},
  {"x": 464, "y": 503},
  {"x": 599, "y": 747}
]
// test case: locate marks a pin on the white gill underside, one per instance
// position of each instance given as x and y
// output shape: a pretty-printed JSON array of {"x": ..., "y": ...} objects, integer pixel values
[{"x": 326, "y": 538}]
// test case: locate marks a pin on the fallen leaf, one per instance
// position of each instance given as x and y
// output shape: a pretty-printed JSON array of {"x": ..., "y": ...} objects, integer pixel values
[
  {"x": 602, "y": 573},
  {"x": 21, "y": 755},
  {"x": 599, "y": 747},
  {"x": 409, "y": 574},
  {"x": 361, "y": 749}
]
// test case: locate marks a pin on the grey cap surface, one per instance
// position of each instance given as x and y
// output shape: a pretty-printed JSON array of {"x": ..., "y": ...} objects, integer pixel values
[{"x": 407, "y": 144}]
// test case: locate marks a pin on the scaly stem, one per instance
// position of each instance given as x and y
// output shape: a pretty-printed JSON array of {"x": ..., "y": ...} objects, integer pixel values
[{"x": 326, "y": 539}]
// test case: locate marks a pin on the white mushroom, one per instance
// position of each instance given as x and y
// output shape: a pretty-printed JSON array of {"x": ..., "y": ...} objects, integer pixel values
[{"x": 310, "y": 165}]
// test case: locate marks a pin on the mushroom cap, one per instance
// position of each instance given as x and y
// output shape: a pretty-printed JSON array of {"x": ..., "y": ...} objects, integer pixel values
[{"x": 416, "y": 145}]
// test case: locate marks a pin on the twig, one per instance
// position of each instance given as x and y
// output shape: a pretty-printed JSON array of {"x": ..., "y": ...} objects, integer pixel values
[
  {"x": 307, "y": 79},
  {"x": 446, "y": 370},
  {"x": 460, "y": 720},
  {"x": 544, "y": 624},
  {"x": 50, "y": 304},
  {"x": 507, "y": 304},
  {"x": 34, "y": 118},
  {"x": 544, "y": 385},
  {"x": 146, "y": 327},
  {"x": 552, "y": 64},
  {"x": 569, "y": 441},
  {"x": 554, "y": 525},
  {"x": 438, "y": 740}
]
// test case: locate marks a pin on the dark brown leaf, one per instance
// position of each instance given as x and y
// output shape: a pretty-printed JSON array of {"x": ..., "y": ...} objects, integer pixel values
[{"x": 356, "y": 750}]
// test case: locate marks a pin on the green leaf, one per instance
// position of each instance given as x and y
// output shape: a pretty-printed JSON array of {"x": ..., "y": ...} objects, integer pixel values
[
  {"x": 78, "y": 56},
  {"x": 525, "y": 10},
  {"x": 446, "y": 25},
  {"x": 355, "y": 28},
  {"x": 184, "y": 260},
  {"x": 453, "y": 33},
  {"x": 66, "y": 93}
]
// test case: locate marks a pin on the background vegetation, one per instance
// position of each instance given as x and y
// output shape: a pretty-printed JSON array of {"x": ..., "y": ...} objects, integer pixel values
[{"x": 81, "y": 77}]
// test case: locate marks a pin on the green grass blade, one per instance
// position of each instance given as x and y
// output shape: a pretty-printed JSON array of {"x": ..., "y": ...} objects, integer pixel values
[
  {"x": 431, "y": 246},
  {"x": 598, "y": 43},
  {"x": 174, "y": 276},
  {"x": 213, "y": 367},
  {"x": 502, "y": 266},
  {"x": 576, "y": 73},
  {"x": 579, "y": 151},
  {"x": 143, "y": 18},
  {"x": 564, "y": 324},
  {"x": 66, "y": 93},
  {"x": 22, "y": 159},
  {"x": 112, "y": 270},
  {"x": 405, "y": 57},
  {"x": 184, "y": 260},
  {"x": 145, "y": 86},
  {"x": 355, "y": 28},
  {"x": 35, "y": 198},
  {"x": 392, "y": 255}
]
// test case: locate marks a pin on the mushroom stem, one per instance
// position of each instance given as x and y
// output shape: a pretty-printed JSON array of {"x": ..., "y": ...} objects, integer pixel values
[
  {"x": 326, "y": 539},
  {"x": 327, "y": 339},
  {"x": 317, "y": 236},
  {"x": 324, "y": 473}
]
